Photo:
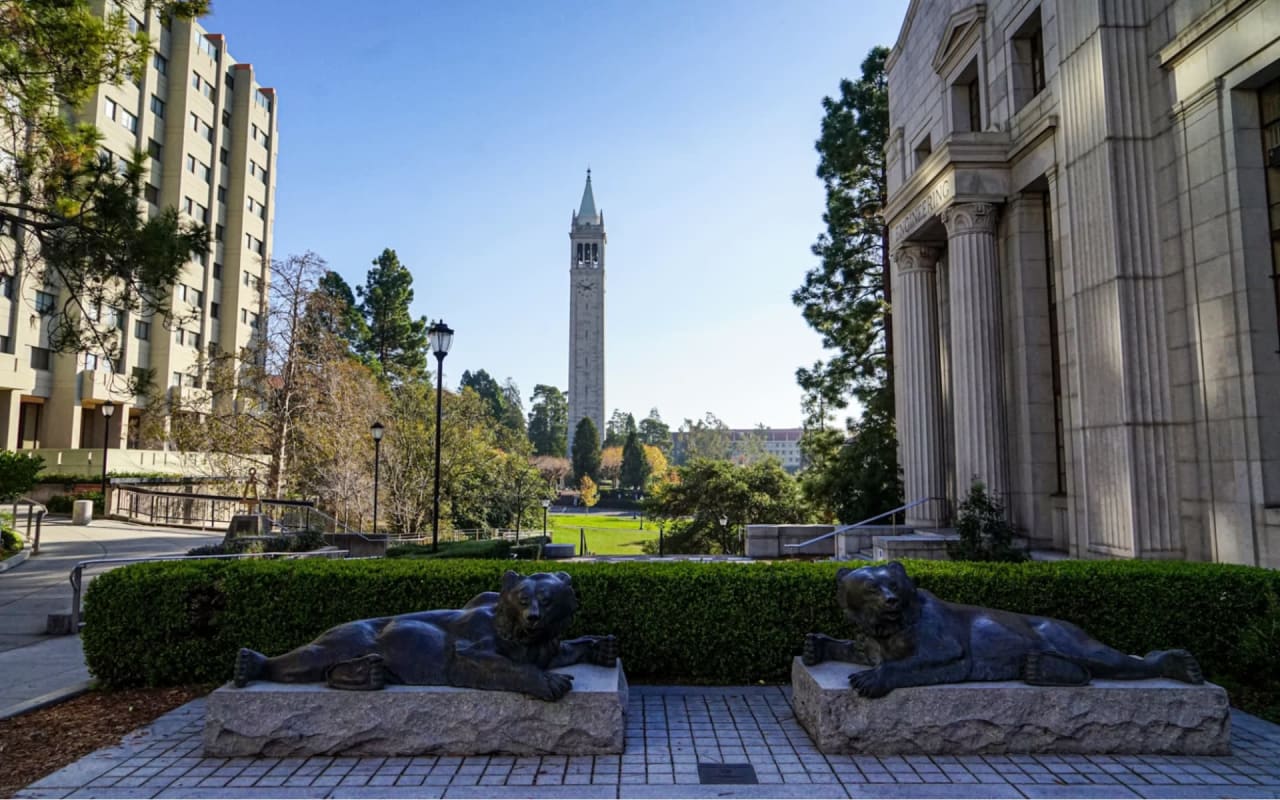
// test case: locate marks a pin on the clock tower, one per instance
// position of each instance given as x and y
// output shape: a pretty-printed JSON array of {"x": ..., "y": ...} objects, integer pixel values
[{"x": 586, "y": 315}]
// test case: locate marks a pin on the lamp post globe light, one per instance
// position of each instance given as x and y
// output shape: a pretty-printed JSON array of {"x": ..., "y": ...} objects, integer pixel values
[
  {"x": 441, "y": 337},
  {"x": 546, "y": 506},
  {"x": 108, "y": 408},
  {"x": 377, "y": 430}
]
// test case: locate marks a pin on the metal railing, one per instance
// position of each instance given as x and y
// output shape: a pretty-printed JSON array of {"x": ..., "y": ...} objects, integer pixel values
[
  {"x": 867, "y": 521},
  {"x": 35, "y": 518},
  {"x": 76, "y": 577},
  {"x": 189, "y": 509}
]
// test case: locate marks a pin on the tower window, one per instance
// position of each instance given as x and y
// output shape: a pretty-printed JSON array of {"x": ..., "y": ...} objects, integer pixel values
[
  {"x": 579, "y": 252},
  {"x": 595, "y": 253}
]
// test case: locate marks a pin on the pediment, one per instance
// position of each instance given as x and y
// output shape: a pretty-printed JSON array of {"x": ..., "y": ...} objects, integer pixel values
[{"x": 964, "y": 29}]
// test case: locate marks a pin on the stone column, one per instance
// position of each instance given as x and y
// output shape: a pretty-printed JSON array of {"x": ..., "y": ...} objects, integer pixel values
[
  {"x": 918, "y": 386},
  {"x": 977, "y": 360}
]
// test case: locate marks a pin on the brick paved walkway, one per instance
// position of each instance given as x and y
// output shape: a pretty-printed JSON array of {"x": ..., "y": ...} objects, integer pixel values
[{"x": 670, "y": 731}]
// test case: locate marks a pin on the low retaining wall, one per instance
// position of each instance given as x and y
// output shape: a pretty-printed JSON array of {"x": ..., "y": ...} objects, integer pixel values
[{"x": 770, "y": 541}]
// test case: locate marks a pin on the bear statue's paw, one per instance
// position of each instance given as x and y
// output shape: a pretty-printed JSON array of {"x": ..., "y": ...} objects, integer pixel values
[
  {"x": 604, "y": 651},
  {"x": 870, "y": 682},
  {"x": 1178, "y": 665},
  {"x": 814, "y": 651},
  {"x": 1044, "y": 668},
  {"x": 364, "y": 674},
  {"x": 249, "y": 667},
  {"x": 552, "y": 686}
]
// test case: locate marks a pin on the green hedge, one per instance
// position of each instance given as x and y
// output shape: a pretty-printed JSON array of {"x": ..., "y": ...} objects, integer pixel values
[{"x": 700, "y": 623}]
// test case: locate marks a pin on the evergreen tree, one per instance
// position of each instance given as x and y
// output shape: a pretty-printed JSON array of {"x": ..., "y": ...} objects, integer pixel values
[
  {"x": 846, "y": 299},
  {"x": 549, "y": 421},
  {"x": 396, "y": 341},
  {"x": 616, "y": 429},
  {"x": 654, "y": 432},
  {"x": 489, "y": 390},
  {"x": 343, "y": 317},
  {"x": 586, "y": 451},
  {"x": 635, "y": 467}
]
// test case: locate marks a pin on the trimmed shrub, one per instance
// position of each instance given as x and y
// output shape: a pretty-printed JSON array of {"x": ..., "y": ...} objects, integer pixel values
[
  {"x": 11, "y": 540},
  {"x": 699, "y": 623}
]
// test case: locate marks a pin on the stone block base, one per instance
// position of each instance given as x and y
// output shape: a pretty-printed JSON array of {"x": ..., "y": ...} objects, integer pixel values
[
  {"x": 295, "y": 720},
  {"x": 1106, "y": 717}
]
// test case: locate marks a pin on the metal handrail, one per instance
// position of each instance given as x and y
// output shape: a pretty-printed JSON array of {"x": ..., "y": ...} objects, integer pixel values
[
  {"x": 77, "y": 572},
  {"x": 904, "y": 507},
  {"x": 32, "y": 506}
]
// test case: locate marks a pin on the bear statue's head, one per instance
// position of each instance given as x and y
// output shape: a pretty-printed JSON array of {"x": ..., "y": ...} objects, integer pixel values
[
  {"x": 535, "y": 608},
  {"x": 879, "y": 599}
]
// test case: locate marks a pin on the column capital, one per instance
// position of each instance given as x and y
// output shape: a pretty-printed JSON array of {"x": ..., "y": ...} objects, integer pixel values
[
  {"x": 912, "y": 257},
  {"x": 970, "y": 218}
]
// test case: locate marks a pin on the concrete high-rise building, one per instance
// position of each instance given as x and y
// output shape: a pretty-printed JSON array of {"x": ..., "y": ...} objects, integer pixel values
[
  {"x": 1084, "y": 214},
  {"x": 210, "y": 131},
  {"x": 586, "y": 314}
]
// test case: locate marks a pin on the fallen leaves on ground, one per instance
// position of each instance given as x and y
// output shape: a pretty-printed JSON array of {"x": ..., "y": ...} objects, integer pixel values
[{"x": 41, "y": 742}]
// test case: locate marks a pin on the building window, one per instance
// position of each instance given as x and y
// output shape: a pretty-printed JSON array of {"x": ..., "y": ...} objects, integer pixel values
[
  {"x": 154, "y": 149},
  {"x": 4, "y": 344},
  {"x": 923, "y": 150},
  {"x": 189, "y": 206},
  {"x": 44, "y": 302},
  {"x": 141, "y": 330},
  {"x": 226, "y": 118},
  {"x": 90, "y": 361},
  {"x": 39, "y": 358},
  {"x": 177, "y": 380},
  {"x": 1028, "y": 61},
  {"x": 217, "y": 272},
  {"x": 1269, "y": 102},
  {"x": 207, "y": 47},
  {"x": 224, "y": 156},
  {"x": 194, "y": 340},
  {"x": 111, "y": 109},
  {"x": 244, "y": 315},
  {"x": 213, "y": 310},
  {"x": 157, "y": 106},
  {"x": 6, "y": 287},
  {"x": 231, "y": 80},
  {"x": 219, "y": 232},
  {"x": 222, "y": 194},
  {"x": 129, "y": 121},
  {"x": 262, "y": 100},
  {"x": 139, "y": 376},
  {"x": 161, "y": 63},
  {"x": 202, "y": 213},
  {"x": 152, "y": 193},
  {"x": 180, "y": 335}
]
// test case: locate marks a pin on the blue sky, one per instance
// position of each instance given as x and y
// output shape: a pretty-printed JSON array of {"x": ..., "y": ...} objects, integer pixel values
[{"x": 459, "y": 135}]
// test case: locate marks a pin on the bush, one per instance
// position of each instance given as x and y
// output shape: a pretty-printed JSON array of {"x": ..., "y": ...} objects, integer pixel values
[
  {"x": 681, "y": 622},
  {"x": 11, "y": 540},
  {"x": 300, "y": 543},
  {"x": 18, "y": 473},
  {"x": 485, "y": 549},
  {"x": 64, "y": 503},
  {"x": 985, "y": 532}
]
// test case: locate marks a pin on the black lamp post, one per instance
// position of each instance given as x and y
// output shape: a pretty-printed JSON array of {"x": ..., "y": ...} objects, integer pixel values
[
  {"x": 546, "y": 505},
  {"x": 724, "y": 523},
  {"x": 108, "y": 408},
  {"x": 377, "y": 430},
  {"x": 441, "y": 336}
]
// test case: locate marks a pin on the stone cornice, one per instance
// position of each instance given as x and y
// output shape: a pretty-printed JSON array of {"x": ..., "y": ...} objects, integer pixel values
[
  {"x": 896, "y": 50},
  {"x": 1209, "y": 23},
  {"x": 986, "y": 150},
  {"x": 910, "y": 258}
]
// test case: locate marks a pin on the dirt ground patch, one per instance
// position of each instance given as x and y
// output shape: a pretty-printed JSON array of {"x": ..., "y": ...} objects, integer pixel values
[{"x": 38, "y": 743}]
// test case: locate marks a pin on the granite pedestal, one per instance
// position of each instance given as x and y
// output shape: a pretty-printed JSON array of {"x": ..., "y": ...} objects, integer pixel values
[
  {"x": 1105, "y": 717},
  {"x": 297, "y": 720}
]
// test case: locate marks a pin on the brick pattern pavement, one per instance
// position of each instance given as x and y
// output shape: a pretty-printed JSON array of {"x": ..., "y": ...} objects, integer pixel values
[{"x": 669, "y": 731}]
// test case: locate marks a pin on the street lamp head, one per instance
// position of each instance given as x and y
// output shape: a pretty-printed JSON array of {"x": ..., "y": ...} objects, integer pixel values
[
  {"x": 546, "y": 504},
  {"x": 377, "y": 430},
  {"x": 441, "y": 336},
  {"x": 723, "y": 520},
  {"x": 108, "y": 408}
]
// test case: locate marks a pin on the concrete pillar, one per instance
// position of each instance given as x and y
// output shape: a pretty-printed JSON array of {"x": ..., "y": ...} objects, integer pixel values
[
  {"x": 977, "y": 359},
  {"x": 918, "y": 383},
  {"x": 10, "y": 413}
]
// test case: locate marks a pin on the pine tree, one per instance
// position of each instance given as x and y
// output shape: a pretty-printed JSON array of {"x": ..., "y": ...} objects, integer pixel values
[
  {"x": 396, "y": 341},
  {"x": 635, "y": 467},
  {"x": 549, "y": 421},
  {"x": 586, "y": 450},
  {"x": 846, "y": 299}
]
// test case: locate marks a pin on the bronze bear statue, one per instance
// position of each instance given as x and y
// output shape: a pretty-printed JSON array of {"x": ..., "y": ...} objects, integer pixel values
[
  {"x": 506, "y": 641},
  {"x": 911, "y": 638}
]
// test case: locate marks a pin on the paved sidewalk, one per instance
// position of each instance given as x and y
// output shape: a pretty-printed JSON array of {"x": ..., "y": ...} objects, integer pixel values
[
  {"x": 40, "y": 667},
  {"x": 671, "y": 731}
]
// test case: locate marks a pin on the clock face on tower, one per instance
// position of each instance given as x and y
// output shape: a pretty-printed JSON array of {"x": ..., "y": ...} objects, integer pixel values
[{"x": 583, "y": 286}]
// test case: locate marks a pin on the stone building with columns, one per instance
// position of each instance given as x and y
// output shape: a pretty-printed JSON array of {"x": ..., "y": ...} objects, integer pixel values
[{"x": 1084, "y": 221}]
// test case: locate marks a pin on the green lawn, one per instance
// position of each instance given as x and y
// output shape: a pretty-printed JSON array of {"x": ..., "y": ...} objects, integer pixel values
[{"x": 607, "y": 534}]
